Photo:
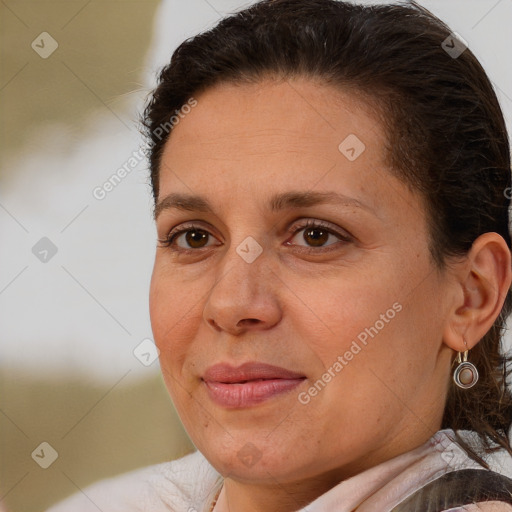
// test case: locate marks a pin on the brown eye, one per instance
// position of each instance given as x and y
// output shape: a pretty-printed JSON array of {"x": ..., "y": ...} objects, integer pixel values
[
  {"x": 187, "y": 239},
  {"x": 316, "y": 236},
  {"x": 196, "y": 238}
]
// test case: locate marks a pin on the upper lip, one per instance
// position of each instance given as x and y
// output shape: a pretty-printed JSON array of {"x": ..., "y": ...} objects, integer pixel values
[{"x": 224, "y": 372}]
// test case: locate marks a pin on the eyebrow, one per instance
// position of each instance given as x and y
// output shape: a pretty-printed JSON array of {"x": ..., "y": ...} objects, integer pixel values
[{"x": 278, "y": 202}]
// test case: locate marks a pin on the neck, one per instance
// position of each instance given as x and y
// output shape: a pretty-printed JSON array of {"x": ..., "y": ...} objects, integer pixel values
[
  {"x": 269, "y": 498},
  {"x": 274, "y": 495},
  {"x": 277, "y": 496}
]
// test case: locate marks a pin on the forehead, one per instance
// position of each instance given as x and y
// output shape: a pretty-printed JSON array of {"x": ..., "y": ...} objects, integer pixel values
[
  {"x": 298, "y": 113},
  {"x": 276, "y": 136}
]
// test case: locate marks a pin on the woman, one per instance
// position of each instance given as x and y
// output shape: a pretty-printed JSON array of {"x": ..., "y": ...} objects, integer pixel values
[{"x": 333, "y": 269}]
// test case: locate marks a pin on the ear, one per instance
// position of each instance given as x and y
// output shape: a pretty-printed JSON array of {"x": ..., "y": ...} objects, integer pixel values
[{"x": 482, "y": 280}]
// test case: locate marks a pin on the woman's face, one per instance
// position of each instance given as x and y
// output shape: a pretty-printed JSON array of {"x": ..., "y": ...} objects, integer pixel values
[{"x": 350, "y": 304}]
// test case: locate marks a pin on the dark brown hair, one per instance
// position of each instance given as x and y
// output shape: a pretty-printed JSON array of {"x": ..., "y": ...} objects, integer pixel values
[{"x": 446, "y": 133}]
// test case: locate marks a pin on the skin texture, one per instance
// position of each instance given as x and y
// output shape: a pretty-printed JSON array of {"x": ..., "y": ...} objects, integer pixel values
[{"x": 301, "y": 305}]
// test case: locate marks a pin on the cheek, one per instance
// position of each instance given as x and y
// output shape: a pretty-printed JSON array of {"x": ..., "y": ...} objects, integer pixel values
[
  {"x": 368, "y": 375},
  {"x": 371, "y": 328},
  {"x": 382, "y": 349},
  {"x": 174, "y": 310},
  {"x": 344, "y": 311},
  {"x": 172, "y": 302}
]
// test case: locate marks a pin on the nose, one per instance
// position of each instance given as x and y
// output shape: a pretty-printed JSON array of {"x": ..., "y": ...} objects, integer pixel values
[{"x": 244, "y": 296}]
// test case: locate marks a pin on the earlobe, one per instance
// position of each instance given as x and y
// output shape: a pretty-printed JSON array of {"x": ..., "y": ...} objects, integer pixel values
[{"x": 483, "y": 278}]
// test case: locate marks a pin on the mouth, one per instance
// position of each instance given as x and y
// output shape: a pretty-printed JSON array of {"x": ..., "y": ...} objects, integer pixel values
[{"x": 249, "y": 384}]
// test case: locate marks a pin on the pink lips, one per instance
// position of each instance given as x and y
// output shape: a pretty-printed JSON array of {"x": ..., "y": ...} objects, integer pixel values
[{"x": 248, "y": 384}]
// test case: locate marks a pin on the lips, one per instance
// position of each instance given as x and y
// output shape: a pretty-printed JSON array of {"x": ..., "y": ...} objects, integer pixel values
[
  {"x": 226, "y": 373},
  {"x": 248, "y": 384}
]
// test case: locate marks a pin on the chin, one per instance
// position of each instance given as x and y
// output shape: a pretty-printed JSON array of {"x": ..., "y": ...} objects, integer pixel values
[{"x": 242, "y": 460}]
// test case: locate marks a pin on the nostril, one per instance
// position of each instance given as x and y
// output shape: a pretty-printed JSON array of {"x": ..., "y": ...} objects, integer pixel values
[
  {"x": 249, "y": 321},
  {"x": 214, "y": 324}
]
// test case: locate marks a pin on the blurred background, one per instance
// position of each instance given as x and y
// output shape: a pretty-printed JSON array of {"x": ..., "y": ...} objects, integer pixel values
[{"x": 77, "y": 363}]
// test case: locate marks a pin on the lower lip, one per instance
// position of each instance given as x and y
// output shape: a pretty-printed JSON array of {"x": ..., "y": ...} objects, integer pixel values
[{"x": 247, "y": 394}]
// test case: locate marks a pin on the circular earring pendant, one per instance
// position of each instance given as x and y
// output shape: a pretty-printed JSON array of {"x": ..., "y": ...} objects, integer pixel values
[{"x": 465, "y": 375}]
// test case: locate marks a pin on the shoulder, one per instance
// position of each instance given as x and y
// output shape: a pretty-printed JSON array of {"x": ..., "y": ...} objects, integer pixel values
[
  {"x": 180, "y": 484},
  {"x": 487, "y": 506}
]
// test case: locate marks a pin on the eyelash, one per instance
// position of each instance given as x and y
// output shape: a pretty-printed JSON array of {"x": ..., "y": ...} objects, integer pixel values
[{"x": 168, "y": 242}]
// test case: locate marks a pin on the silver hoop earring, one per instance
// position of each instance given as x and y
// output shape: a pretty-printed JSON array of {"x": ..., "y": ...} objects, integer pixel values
[{"x": 466, "y": 374}]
